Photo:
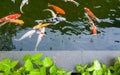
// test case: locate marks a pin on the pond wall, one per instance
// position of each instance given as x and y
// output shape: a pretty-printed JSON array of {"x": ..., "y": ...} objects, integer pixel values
[{"x": 67, "y": 59}]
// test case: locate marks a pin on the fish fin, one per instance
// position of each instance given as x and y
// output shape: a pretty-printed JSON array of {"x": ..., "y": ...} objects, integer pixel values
[
  {"x": 98, "y": 20},
  {"x": 52, "y": 12}
]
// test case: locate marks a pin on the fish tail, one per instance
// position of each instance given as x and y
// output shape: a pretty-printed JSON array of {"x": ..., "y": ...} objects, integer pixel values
[
  {"x": 52, "y": 12},
  {"x": 38, "y": 41},
  {"x": 98, "y": 20},
  {"x": 76, "y": 3},
  {"x": 21, "y": 9}
]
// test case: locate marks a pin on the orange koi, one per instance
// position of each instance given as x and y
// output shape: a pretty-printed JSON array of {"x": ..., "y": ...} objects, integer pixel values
[
  {"x": 12, "y": 16},
  {"x": 56, "y": 8},
  {"x": 93, "y": 27},
  {"x": 89, "y": 12}
]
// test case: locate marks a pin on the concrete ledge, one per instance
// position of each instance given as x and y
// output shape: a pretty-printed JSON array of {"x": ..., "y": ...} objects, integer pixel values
[{"x": 67, "y": 59}]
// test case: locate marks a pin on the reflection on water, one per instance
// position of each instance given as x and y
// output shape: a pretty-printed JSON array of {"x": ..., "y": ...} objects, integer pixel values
[{"x": 74, "y": 34}]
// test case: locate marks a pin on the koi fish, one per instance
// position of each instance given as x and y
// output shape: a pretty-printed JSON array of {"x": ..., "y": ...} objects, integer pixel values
[
  {"x": 52, "y": 12},
  {"x": 93, "y": 27},
  {"x": 73, "y": 1},
  {"x": 52, "y": 20},
  {"x": 42, "y": 33},
  {"x": 57, "y": 9},
  {"x": 12, "y": 16},
  {"x": 89, "y": 12},
  {"x": 40, "y": 25},
  {"x": 17, "y": 21},
  {"x": 22, "y": 4},
  {"x": 27, "y": 34}
]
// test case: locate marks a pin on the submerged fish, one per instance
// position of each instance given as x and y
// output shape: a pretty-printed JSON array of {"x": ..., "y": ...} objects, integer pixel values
[
  {"x": 89, "y": 12},
  {"x": 40, "y": 25},
  {"x": 17, "y": 21},
  {"x": 42, "y": 33},
  {"x": 93, "y": 27},
  {"x": 27, "y": 34},
  {"x": 22, "y": 4},
  {"x": 52, "y": 20},
  {"x": 57, "y": 9},
  {"x": 73, "y": 1},
  {"x": 11, "y": 16}
]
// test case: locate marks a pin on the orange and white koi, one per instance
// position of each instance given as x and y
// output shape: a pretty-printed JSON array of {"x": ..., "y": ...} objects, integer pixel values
[
  {"x": 89, "y": 12},
  {"x": 22, "y": 4},
  {"x": 57, "y": 9},
  {"x": 12, "y": 16},
  {"x": 73, "y": 1},
  {"x": 40, "y": 36},
  {"x": 93, "y": 27},
  {"x": 27, "y": 34},
  {"x": 40, "y": 25},
  {"x": 16, "y": 21}
]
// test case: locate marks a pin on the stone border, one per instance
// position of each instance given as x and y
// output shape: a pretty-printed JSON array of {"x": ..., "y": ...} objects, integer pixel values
[{"x": 67, "y": 59}]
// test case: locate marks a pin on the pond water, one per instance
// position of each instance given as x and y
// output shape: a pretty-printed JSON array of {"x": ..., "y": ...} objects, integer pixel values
[{"x": 72, "y": 35}]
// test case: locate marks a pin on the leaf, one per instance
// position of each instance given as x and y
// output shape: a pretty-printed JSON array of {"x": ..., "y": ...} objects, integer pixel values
[
  {"x": 28, "y": 65},
  {"x": 36, "y": 56},
  {"x": 79, "y": 68},
  {"x": 53, "y": 70},
  {"x": 38, "y": 62},
  {"x": 27, "y": 56},
  {"x": 42, "y": 71},
  {"x": 96, "y": 66},
  {"x": 118, "y": 58},
  {"x": 14, "y": 63},
  {"x": 69, "y": 73},
  {"x": 34, "y": 72},
  {"x": 47, "y": 62},
  {"x": 61, "y": 71}
]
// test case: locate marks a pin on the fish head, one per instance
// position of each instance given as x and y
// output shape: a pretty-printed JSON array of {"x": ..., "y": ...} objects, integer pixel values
[
  {"x": 20, "y": 22},
  {"x": 17, "y": 15}
]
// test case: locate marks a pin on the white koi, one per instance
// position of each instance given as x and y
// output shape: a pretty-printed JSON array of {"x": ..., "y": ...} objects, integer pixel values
[
  {"x": 41, "y": 34},
  {"x": 73, "y": 1},
  {"x": 27, "y": 34},
  {"x": 22, "y": 4},
  {"x": 52, "y": 12}
]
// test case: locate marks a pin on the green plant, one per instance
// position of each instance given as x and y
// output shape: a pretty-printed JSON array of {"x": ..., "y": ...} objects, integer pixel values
[
  {"x": 33, "y": 65},
  {"x": 36, "y": 65},
  {"x": 99, "y": 69}
]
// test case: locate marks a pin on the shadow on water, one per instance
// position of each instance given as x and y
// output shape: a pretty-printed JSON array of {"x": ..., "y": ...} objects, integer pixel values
[{"x": 75, "y": 34}]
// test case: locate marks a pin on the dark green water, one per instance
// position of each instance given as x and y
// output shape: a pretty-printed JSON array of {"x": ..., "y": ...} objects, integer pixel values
[{"x": 75, "y": 35}]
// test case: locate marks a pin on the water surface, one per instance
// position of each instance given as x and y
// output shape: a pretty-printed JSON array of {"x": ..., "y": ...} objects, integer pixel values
[{"x": 72, "y": 35}]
